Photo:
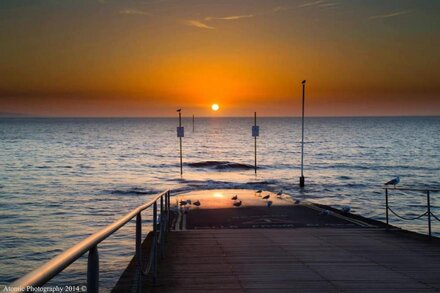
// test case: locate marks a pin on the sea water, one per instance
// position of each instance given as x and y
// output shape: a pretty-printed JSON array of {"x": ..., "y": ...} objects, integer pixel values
[{"x": 63, "y": 179}]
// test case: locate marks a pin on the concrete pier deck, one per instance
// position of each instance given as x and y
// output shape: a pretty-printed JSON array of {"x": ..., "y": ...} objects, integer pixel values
[{"x": 288, "y": 247}]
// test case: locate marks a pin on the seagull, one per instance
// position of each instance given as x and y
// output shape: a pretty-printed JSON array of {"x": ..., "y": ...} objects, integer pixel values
[
  {"x": 303, "y": 82},
  {"x": 183, "y": 202},
  {"x": 394, "y": 181},
  {"x": 266, "y": 197},
  {"x": 235, "y": 197},
  {"x": 237, "y": 203},
  {"x": 197, "y": 203},
  {"x": 269, "y": 203}
]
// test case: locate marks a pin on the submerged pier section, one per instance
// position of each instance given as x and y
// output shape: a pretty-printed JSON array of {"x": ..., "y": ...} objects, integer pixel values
[{"x": 250, "y": 245}]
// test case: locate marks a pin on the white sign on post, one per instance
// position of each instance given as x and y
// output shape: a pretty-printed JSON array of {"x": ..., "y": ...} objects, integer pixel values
[
  {"x": 255, "y": 131},
  {"x": 180, "y": 131}
]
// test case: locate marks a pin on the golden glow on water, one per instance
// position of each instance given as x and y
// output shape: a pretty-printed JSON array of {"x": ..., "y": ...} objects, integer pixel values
[{"x": 218, "y": 195}]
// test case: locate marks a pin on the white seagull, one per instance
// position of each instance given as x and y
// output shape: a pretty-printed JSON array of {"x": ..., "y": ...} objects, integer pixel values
[{"x": 394, "y": 181}]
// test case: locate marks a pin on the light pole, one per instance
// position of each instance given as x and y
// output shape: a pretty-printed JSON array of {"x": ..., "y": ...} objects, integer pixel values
[
  {"x": 301, "y": 179},
  {"x": 180, "y": 134}
]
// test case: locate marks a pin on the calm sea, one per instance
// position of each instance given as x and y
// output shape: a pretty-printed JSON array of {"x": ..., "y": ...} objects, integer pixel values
[{"x": 63, "y": 179}]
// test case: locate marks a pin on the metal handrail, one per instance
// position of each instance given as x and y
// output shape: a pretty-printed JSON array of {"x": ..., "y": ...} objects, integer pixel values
[
  {"x": 51, "y": 268},
  {"x": 428, "y": 212}
]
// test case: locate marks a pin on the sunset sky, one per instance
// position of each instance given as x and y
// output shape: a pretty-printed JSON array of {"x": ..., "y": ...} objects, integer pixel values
[{"x": 147, "y": 58}]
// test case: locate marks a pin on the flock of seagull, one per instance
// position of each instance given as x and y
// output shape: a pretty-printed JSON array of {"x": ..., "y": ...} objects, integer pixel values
[{"x": 237, "y": 202}]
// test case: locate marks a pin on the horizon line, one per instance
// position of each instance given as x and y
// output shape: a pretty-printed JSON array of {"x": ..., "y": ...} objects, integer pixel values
[{"x": 32, "y": 116}]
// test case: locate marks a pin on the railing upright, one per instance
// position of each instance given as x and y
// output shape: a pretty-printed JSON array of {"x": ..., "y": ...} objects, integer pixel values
[
  {"x": 154, "y": 242},
  {"x": 428, "y": 199},
  {"x": 93, "y": 270},
  {"x": 386, "y": 204}
]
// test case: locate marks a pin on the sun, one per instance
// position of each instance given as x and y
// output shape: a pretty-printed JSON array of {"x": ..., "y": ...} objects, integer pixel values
[{"x": 215, "y": 107}]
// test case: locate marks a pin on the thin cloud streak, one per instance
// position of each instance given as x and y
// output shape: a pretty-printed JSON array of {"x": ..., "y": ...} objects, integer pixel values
[
  {"x": 388, "y": 15},
  {"x": 203, "y": 25},
  {"x": 198, "y": 24},
  {"x": 232, "y": 17},
  {"x": 134, "y": 12}
]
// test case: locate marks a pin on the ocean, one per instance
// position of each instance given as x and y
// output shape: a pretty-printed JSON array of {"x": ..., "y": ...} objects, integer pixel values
[{"x": 62, "y": 179}]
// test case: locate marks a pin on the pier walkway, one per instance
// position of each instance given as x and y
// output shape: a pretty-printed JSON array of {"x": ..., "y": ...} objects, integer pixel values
[{"x": 288, "y": 247}]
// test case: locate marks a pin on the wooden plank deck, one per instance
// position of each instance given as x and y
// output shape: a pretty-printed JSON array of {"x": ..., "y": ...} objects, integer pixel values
[{"x": 298, "y": 260}]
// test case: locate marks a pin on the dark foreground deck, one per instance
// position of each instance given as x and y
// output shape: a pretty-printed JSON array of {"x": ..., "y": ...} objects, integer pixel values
[
  {"x": 288, "y": 248},
  {"x": 298, "y": 260}
]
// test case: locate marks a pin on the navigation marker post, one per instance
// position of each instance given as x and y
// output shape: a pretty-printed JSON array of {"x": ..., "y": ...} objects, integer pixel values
[
  {"x": 180, "y": 134},
  {"x": 255, "y": 133},
  {"x": 301, "y": 179}
]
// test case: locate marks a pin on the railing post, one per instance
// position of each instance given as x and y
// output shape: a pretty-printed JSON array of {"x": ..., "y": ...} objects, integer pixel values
[
  {"x": 155, "y": 242},
  {"x": 169, "y": 207},
  {"x": 161, "y": 228},
  {"x": 386, "y": 207},
  {"x": 428, "y": 199},
  {"x": 139, "y": 241},
  {"x": 93, "y": 270}
]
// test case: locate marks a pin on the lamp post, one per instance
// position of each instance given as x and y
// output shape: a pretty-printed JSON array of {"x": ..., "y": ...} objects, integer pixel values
[
  {"x": 180, "y": 134},
  {"x": 301, "y": 179}
]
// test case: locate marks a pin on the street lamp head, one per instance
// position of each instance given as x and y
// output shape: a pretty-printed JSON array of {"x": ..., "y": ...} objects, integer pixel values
[{"x": 303, "y": 82}]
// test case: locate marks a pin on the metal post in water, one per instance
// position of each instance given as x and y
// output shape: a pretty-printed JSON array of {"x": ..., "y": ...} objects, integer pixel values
[
  {"x": 93, "y": 270},
  {"x": 301, "y": 179},
  {"x": 428, "y": 198},
  {"x": 386, "y": 206},
  {"x": 255, "y": 139},
  {"x": 180, "y": 135},
  {"x": 193, "y": 122}
]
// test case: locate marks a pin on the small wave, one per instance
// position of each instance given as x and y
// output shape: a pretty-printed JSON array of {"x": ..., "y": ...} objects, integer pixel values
[
  {"x": 131, "y": 191},
  {"x": 220, "y": 165},
  {"x": 344, "y": 177}
]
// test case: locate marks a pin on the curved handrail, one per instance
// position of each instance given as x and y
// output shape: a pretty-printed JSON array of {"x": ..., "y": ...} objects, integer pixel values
[{"x": 51, "y": 268}]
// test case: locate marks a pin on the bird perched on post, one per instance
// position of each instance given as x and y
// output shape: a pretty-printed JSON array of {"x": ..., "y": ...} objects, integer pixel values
[
  {"x": 266, "y": 197},
  {"x": 178, "y": 110},
  {"x": 237, "y": 203},
  {"x": 196, "y": 203},
  {"x": 235, "y": 197},
  {"x": 394, "y": 181}
]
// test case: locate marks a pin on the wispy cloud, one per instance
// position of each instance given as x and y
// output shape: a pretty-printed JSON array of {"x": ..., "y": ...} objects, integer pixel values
[
  {"x": 319, "y": 3},
  {"x": 203, "y": 24},
  {"x": 134, "y": 12},
  {"x": 391, "y": 14},
  {"x": 312, "y": 3},
  {"x": 198, "y": 24},
  {"x": 231, "y": 17}
]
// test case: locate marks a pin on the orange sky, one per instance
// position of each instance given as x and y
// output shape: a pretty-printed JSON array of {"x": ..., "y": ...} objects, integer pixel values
[{"x": 146, "y": 58}]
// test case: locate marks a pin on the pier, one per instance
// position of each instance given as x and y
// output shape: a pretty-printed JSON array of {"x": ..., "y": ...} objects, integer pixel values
[
  {"x": 256, "y": 241},
  {"x": 287, "y": 247}
]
